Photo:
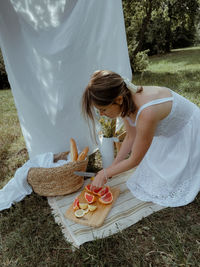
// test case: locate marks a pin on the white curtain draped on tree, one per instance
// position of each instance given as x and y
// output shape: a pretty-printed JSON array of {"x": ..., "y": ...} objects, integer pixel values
[{"x": 50, "y": 49}]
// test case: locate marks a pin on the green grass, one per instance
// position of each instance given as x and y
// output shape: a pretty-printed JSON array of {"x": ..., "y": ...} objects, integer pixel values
[
  {"x": 30, "y": 237},
  {"x": 178, "y": 70}
]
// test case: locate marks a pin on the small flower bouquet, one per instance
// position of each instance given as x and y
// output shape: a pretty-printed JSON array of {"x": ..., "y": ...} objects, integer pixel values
[
  {"x": 107, "y": 127},
  {"x": 108, "y": 139}
]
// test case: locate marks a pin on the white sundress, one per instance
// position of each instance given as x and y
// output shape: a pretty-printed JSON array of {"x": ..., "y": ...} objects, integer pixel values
[{"x": 169, "y": 173}]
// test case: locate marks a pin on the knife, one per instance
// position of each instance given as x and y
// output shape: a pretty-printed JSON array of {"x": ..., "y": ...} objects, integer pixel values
[{"x": 85, "y": 174}]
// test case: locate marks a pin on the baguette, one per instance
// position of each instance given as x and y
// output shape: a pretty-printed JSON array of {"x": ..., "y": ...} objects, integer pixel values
[
  {"x": 83, "y": 154},
  {"x": 73, "y": 150}
]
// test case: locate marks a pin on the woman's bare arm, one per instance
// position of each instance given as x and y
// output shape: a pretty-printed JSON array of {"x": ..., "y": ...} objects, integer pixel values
[
  {"x": 145, "y": 130},
  {"x": 126, "y": 144}
]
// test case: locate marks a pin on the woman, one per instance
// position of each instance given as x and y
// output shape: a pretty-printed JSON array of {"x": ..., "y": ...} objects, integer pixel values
[{"x": 162, "y": 137}]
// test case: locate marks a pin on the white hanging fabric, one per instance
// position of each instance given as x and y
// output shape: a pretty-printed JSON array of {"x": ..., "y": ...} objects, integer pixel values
[{"x": 50, "y": 49}]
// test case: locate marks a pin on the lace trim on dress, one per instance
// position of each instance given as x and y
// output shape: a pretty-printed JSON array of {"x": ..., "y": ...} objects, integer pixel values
[
  {"x": 147, "y": 187},
  {"x": 175, "y": 198}
]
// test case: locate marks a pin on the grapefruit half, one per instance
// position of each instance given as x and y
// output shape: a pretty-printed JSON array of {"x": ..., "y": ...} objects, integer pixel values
[
  {"x": 76, "y": 204},
  {"x": 95, "y": 191},
  {"x": 90, "y": 198},
  {"x": 87, "y": 188},
  {"x": 104, "y": 191},
  {"x": 106, "y": 198}
]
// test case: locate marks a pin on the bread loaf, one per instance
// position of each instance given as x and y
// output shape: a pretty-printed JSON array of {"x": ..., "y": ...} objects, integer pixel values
[
  {"x": 73, "y": 150},
  {"x": 83, "y": 154}
]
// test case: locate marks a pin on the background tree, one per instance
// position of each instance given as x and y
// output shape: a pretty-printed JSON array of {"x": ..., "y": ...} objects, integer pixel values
[
  {"x": 157, "y": 26},
  {"x": 4, "y": 84},
  {"x": 152, "y": 27}
]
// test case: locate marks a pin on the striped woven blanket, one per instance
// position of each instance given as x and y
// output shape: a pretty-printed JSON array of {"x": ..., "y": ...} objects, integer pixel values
[{"x": 126, "y": 211}]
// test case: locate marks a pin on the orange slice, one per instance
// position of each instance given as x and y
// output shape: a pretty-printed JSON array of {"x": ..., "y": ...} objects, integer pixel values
[
  {"x": 104, "y": 191},
  {"x": 76, "y": 204},
  {"x": 87, "y": 187},
  {"x": 79, "y": 213},
  {"x": 106, "y": 198},
  {"x": 83, "y": 206},
  {"x": 90, "y": 198},
  {"x": 86, "y": 211},
  {"x": 95, "y": 191},
  {"x": 92, "y": 207}
]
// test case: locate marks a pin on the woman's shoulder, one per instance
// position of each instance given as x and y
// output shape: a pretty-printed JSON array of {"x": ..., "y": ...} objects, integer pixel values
[
  {"x": 146, "y": 100},
  {"x": 150, "y": 93},
  {"x": 154, "y": 92}
]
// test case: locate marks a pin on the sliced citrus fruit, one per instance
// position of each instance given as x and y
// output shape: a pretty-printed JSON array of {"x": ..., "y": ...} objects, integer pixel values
[
  {"x": 86, "y": 211},
  {"x": 87, "y": 187},
  {"x": 104, "y": 191},
  {"x": 106, "y": 198},
  {"x": 94, "y": 191},
  {"x": 76, "y": 204},
  {"x": 97, "y": 190},
  {"x": 83, "y": 206},
  {"x": 79, "y": 213},
  {"x": 92, "y": 207},
  {"x": 90, "y": 198}
]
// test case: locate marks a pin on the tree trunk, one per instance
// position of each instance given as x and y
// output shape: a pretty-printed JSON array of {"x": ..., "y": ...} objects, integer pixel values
[
  {"x": 145, "y": 22},
  {"x": 168, "y": 29}
]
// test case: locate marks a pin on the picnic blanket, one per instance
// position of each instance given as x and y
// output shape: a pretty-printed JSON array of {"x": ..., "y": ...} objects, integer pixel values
[{"x": 126, "y": 211}]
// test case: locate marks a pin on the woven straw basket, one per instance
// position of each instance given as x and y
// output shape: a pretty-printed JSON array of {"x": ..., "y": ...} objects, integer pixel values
[{"x": 57, "y": 181}]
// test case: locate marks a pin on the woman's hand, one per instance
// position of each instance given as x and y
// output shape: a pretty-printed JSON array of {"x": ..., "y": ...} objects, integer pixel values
[{"x": 99, "y": 180}]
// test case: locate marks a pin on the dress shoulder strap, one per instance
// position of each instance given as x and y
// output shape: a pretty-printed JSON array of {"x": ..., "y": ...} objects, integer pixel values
[
  {"x": 151, "y": 103},
  {"x": 131, "y": 122}
]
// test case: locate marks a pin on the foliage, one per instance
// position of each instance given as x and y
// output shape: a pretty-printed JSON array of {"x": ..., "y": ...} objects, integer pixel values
[
  {"x": 154, "y": 25},
  {"x": 197, "y": 36},
  {"x": 134, "y": 12},
  {"x": 4, "y": 84},
  {"x": 107, "y": 126},
  {"x": 184, "y": 17},
  {"x": 141, "y": 61},
  {"x": 159, "y": 26}
]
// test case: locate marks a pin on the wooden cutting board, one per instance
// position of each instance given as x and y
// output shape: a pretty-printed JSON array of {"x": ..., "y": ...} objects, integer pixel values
[{"x": 93, "y": 218}]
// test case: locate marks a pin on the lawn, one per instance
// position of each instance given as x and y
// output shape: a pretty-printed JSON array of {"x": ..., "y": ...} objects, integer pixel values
[{"x": 30, "y": 237}]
